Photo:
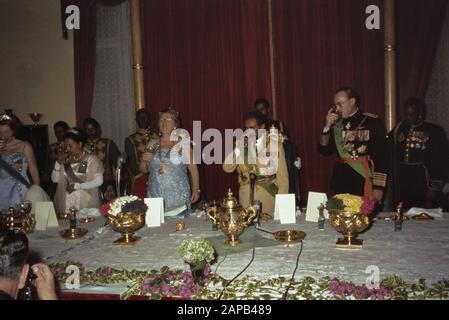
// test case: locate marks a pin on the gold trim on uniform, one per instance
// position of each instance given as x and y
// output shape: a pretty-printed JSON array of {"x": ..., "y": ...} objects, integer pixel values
[
  {"x": 371, "y": 115},
  {"x": 325, "y": 139},
  {"x": 380, "y": 179}
]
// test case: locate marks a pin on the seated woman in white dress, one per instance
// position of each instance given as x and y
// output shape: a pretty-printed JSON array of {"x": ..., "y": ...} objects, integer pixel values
[
  {"x": 78, "y": 174},
  {"x": 16, "y": 161}
]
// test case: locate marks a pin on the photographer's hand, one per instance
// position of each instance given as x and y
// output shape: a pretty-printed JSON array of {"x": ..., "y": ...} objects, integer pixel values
[{"x": 45, "y": 282}]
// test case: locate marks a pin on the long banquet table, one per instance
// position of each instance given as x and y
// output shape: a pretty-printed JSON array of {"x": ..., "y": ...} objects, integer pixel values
[{"x": 421, "y": 250}]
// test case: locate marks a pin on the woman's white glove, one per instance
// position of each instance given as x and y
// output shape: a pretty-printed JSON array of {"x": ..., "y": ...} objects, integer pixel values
[
  {"x": 298, "y": 163},
  {"x": 95, "y": 183}
]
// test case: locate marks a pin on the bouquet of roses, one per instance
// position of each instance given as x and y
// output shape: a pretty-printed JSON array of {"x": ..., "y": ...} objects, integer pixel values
[
  {"x": 122, "y": 205},
  {"x": 350, "y": 203}
]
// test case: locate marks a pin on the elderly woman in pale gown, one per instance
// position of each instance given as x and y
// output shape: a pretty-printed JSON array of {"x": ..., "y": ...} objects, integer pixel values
[
  {"x": 173, "y": 175},
  {"x": 78, "y": 174}
]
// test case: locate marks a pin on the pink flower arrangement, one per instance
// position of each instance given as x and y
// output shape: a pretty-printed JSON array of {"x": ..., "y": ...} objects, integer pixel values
[
  {"x": 106, "y": 271},
  {"x": 104, "y": 209},
  {"x": 173, "y": 284},
  {"x": 367, "y": 206},
  {"x": 341, "y": 289}
]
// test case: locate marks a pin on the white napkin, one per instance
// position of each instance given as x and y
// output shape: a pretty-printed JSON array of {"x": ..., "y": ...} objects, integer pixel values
[
  {"x": 176, "y": 211},
  {"x": 92, "y": 212},
  {"x": 436, "y": 213},
  {"x": 198, "y": 213}
]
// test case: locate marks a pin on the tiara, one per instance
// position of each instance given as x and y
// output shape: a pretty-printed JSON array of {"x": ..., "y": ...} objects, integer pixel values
[
  {"x": 5, "y": 117},
  {"x": 172, "y": 109},
  {"x": 75, "y": 132}
]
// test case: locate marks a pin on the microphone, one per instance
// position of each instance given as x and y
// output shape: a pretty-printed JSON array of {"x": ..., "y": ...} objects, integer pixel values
[
  {"x": 252, "y": 182},
  {"x": 121, "y": 159},
  {"x": 257, "y": 204}
]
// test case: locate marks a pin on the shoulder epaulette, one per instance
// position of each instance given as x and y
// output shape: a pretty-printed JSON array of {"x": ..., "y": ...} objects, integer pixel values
[{"x": 371, "y": 115}]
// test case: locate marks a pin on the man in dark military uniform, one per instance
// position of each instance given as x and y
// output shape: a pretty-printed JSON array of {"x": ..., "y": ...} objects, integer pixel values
[
  {"x": 106, "y": 150},
  {"x": 421, "y": 155},
  {"x": 136, "y": 145},
  {"x": 360, "y": 141}
]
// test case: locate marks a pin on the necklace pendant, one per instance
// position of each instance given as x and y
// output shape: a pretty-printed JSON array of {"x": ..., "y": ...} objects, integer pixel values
[{"x": 162, "y": 170}]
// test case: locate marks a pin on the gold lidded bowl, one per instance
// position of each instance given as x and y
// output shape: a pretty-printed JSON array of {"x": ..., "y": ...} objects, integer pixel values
[
  {"x": 126, "y": 224},
  {"x": 231, "y": 217},
  {"x": 349, "y": 224},
  {"x": 15, "y": 220}
]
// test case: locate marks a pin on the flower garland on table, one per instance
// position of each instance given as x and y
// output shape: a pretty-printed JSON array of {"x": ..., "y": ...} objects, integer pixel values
[{"x": 156, "y": 284}]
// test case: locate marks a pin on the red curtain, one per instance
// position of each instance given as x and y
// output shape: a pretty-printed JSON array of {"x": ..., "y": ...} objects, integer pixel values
[
  {"x": 322, "y": 45},
  {"x": 209, "y": 59},
  {"x": 419, "y": 29},
  {"x": 84, "y": 54}
]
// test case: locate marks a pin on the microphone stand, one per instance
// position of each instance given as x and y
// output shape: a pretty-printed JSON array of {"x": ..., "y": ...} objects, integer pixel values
[
  {"x": 257, "y": 204},
  {"x": 117, "y": 180},
  {"x": 252, "y": 183},
  {"x": 118, "y": 171}
]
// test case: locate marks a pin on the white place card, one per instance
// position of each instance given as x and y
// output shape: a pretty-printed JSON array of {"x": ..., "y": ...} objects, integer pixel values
[
  {"x": 285, "y": 208},
  {"x": 313, "y": 203},
  {"x": 155, "y": 212},
  {"x": 45, "y": 216}
]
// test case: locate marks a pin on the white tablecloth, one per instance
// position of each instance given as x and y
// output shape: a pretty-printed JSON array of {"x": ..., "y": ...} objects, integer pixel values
[{"x": 421, "y": 250}]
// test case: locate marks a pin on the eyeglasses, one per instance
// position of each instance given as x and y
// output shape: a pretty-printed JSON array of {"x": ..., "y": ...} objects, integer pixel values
[
  {"x": 165, "y": 119},
  {"x": 340, "y": 104}
]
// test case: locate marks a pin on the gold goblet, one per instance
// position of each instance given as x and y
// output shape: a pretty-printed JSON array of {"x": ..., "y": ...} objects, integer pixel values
[
  {"x": 126, "y": 224},
  {"x": 35, "y": 117}
]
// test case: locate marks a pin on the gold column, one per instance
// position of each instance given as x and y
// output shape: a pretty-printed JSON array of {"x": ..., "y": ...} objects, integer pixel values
[
  {"x": 390, "y": 63},
  {"x": 137, "y": 54},
  {"x": 272, "y": 62}
]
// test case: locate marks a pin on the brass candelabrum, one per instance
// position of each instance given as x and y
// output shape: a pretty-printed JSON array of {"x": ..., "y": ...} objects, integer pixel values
[{"x": 73, "y": 232}]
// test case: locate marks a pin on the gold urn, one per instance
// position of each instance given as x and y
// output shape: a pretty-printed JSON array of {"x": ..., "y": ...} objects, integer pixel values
[
  {"x": 231, "y": 218},
  {"x": 13, "y": 220},
  {"x": 126, "y": 224},
  {"x": 349, "y": 224}
]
